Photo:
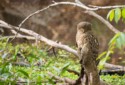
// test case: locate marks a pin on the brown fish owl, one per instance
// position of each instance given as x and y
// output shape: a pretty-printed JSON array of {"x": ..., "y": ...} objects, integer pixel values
[{"x": 88, "y": 46}]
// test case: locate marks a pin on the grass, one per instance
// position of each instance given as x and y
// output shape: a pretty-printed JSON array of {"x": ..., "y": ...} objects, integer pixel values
[
  {"x": 114, "y": 79},
  {"x": 40, "y": 63}
]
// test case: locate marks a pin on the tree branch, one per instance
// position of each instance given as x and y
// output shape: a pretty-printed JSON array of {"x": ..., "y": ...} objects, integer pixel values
[
  {"x": 107, "y": 7},
  {"x": 111, "y": 27},
  {"x": 40, "y": 37}
]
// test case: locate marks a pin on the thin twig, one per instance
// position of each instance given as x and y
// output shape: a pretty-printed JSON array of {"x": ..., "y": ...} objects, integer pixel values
[
  {"x": 52, "y": 5},
  {"x": 73, "y": 71},
  {"x": 18, "y": 36},
  {"x": 107, "y": 7}
]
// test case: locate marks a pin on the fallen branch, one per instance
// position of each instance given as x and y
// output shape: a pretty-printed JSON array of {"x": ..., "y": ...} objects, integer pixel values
[
  {"x": 111, "y": 66},
  {"x": 110, "y": 71},
  {"x": 66, "y": 80},
  {"x": 73, "y": 71},
  {"x": 119, "y": 72},
  {"x": 69, "y": 81}
]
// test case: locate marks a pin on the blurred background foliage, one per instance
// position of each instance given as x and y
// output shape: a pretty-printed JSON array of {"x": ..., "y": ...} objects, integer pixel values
[
  {"x": 30, "y": 63},
  {"x": 59, "y": 23}
]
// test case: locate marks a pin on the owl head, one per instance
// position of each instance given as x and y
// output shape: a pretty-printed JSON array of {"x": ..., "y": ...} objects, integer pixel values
[{"x": 84, "y": 26}]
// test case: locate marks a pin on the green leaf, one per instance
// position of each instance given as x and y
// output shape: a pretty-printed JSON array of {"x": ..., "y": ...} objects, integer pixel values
[
  {"x": 111, "y": 15},
  {"x": 120, "y": 40},
  {"x": 57, "y": 70},
  {"x": 64, "y": 68},
  {"x": 117, "y": 14},
  {"x": 113, "y": 40},
  {"x": 48, "y": 64},
  {"x": 24, "y": 73},
  {"x": 123, "y": 13},
  {"x": 102, "y": 61},
  {"x": 4, "y": 55},
  {"x": 101, "y": 55},
  {"x": 123, "y": 37},
  {"x": 16, "y": 52},
  {"x": 118, "y": 43}
]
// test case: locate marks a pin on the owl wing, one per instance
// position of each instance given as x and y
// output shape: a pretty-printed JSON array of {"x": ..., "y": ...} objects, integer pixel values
[{"x": 94, "y": 47}]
